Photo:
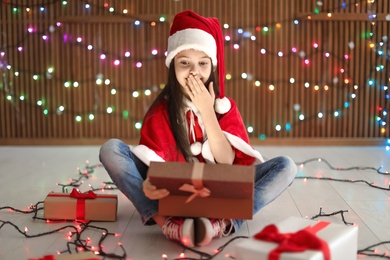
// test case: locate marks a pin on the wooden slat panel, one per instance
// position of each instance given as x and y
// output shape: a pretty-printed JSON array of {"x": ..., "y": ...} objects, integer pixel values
[{"x": 113, "y": 33}]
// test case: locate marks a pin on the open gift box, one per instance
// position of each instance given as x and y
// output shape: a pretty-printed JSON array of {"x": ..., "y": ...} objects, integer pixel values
[
  {"x": 204, "y": 190},
  {"x": 314, "y": 240},
  {"x": 81, "y": 206}
]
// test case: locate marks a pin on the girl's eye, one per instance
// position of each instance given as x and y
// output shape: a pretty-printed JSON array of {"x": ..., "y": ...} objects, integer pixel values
[
  {"x": 203, "y": 63},
  {"x": 184, "y": 62}
]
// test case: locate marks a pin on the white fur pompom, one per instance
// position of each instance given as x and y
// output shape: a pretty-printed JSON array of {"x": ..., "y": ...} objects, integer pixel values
[
  {"x": 196, "y": 148},
  {"x": 222, "y": 105}
]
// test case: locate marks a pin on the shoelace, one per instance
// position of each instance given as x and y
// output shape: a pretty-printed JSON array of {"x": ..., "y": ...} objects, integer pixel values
[
  {"x": 172, "y": 230},
  {"x": 225, "y": 234},
  {"x": 219, "y": 227}
]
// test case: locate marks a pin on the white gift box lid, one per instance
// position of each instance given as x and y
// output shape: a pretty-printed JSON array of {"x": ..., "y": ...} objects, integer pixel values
[{"x": 342, "y": 241}]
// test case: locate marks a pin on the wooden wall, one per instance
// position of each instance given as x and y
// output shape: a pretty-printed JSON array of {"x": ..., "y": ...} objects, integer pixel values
[{"x": 288, "y": 87}]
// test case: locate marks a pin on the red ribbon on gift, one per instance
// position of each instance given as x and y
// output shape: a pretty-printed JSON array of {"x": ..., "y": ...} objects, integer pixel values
[
  {"x": 80, "y": 200},
  {"x": 46, "y": 257},
  {"x": 52, "y": 257},
  {"x": 81, "y": 197},
  {"x": 197, "y": 189},
  {"x": 203, "y": 192},
  {"x": 299, "y": 241}
]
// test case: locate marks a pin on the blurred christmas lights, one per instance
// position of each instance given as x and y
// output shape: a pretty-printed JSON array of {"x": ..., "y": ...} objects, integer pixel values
[{"x": 234, "y": 38}]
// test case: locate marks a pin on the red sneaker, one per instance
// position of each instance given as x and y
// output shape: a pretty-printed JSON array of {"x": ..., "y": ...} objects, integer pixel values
[
  {"x": 180, "y": 230},
  {"x": 207, "y": 229}
]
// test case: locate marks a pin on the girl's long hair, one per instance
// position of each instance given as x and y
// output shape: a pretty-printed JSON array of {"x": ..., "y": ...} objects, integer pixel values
[{"x": 173, "y": 94}]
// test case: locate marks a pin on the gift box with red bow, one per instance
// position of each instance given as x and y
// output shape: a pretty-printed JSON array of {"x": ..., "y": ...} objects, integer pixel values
[
  {"x": 204, "y": 190},
  {"x": 81, "y": 206},
  {"x": 298, "y": 238},
  {"x": 79, "y": 256}
]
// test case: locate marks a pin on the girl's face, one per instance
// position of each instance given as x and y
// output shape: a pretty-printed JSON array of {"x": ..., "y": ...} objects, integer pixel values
[{"x": 192, "y": 62}]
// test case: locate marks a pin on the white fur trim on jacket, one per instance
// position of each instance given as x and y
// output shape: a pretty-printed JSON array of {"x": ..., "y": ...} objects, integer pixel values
[
  {"x": 145, "y": 154},
  {"x": 206, "y": 152},
  {"x": 237, "y": 143}
]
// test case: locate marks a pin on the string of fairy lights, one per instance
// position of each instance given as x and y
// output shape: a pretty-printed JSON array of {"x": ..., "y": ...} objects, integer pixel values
[
  {"x": 79, "y": 241},
  {"x": 85, "y": 174},
  {"x": 234, "y": 39}
]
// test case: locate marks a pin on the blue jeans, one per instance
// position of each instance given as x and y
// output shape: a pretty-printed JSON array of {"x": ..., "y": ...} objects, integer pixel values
[{"x": 128, "y": 173}]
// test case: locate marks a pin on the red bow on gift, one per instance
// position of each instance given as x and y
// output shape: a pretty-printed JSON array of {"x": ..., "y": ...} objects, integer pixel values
[
  {"x": 76, "y": 194},
  {"x": 203, "y": 192},
  {"x": 196, "y": 188},
  {"x": 81, "y": 197},
  {"x": 300, "y": 241}
]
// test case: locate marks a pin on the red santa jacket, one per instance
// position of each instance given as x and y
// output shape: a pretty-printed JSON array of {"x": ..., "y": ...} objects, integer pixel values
[{"x": 157, "y": 142}]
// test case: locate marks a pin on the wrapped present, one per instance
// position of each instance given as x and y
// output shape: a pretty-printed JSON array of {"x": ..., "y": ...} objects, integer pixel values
[
  {"x": 298, "y": 238},
  {"x": 79, "y": 256},
  {"x": 204, "y": 190},
  {"x": 81, "y": 206}
]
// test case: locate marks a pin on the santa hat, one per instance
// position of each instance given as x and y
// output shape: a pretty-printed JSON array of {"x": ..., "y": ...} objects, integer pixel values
[{"x": 192, "y": 31}]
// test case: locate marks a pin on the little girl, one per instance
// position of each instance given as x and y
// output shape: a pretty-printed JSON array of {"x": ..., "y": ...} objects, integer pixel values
[{"x": 192, "y": 121}]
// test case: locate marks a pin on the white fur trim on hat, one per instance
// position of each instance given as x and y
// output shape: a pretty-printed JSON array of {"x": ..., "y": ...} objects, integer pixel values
[
  {"x": 191, "y": 39},
  {"x": 222, "y": 105}
]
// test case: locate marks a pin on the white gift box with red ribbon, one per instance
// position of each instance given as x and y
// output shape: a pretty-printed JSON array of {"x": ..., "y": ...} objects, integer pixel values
[{"x": 298, "y": 238}]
